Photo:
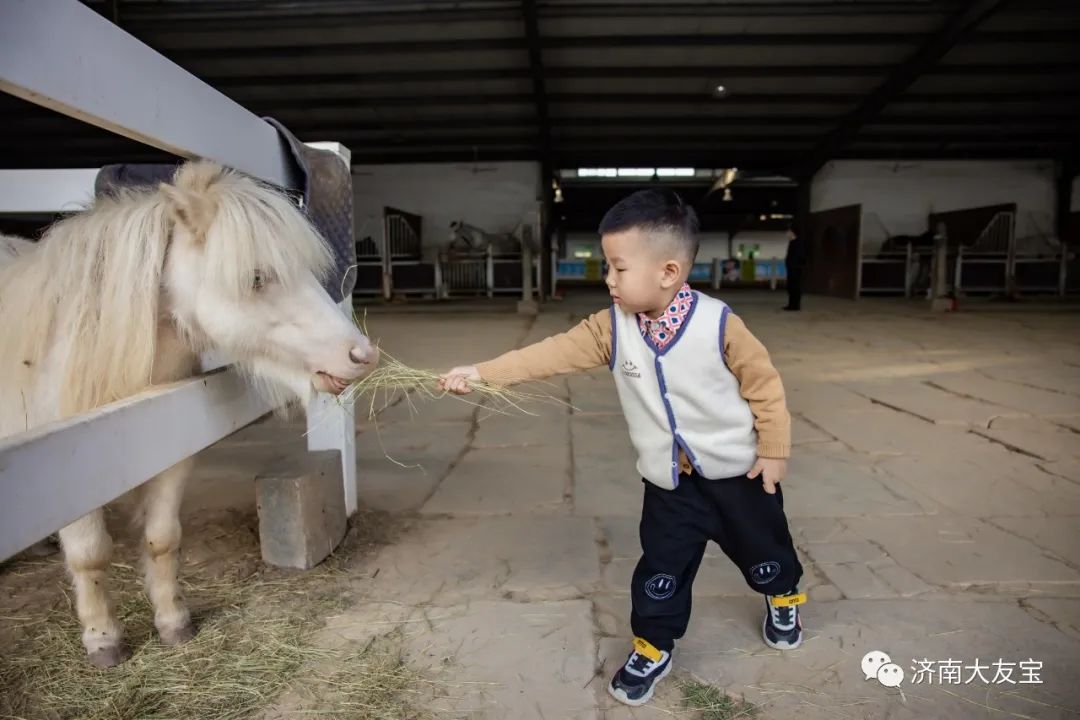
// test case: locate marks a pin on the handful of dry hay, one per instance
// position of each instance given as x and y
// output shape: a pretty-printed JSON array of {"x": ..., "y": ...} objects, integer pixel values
[
  {"x": 393, "y": 377},
  {"x": 394, "y": 380}
]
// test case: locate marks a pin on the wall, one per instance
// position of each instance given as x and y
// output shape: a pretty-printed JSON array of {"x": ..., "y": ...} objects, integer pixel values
[
  {"x": 495, "y": 198},
  {"x": 899, "y": 195}
]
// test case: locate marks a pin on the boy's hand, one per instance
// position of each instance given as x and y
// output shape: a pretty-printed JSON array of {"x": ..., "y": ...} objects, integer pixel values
[
  {"x": 771, "y": 470},
  {"x": 457, "y": 380}
]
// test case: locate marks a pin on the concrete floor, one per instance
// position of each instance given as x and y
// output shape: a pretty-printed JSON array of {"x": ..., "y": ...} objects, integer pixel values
[{"x": 933, "y": 494}]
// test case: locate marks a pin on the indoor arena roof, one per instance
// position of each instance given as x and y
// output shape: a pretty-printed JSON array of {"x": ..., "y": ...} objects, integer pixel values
[{"x": 778, "y": 85}]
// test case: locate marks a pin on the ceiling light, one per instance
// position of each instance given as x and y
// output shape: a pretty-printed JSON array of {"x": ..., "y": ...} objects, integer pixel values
[
  {"x": 675, "y": 172},
  {"x": 727, "y": 194},
  {"x": 597, "y": 172}
]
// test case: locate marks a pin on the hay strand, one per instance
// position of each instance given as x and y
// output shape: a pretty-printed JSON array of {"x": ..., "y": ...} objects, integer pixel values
[{"x": 255, "y": 646}]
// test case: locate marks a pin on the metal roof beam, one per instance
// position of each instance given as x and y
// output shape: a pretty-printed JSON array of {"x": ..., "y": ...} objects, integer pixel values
[{"x": 961, "y": 23}]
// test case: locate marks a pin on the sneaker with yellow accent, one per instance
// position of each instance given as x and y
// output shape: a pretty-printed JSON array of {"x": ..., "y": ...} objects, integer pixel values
[
  {"x": 635, "y": 681},
  {"x": 782, "y": 628}
]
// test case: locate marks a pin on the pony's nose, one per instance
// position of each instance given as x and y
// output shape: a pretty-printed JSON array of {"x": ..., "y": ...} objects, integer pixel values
[{"x": 363, "y": 356}]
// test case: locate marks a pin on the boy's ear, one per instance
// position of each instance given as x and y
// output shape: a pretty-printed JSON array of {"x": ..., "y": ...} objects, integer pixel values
[{"x": 673, "y": 270}]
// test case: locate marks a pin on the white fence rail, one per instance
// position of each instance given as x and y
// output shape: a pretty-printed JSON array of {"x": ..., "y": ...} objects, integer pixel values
[
  {"x": 62, "y": 55},
  {"x": 56, "y": 473}
]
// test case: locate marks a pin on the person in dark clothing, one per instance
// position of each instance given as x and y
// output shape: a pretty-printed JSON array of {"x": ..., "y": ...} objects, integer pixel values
[{"x": 794, "y": 262}]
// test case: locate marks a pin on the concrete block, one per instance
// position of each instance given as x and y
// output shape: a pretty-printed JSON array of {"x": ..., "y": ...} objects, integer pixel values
[{"x": 301, "y": 502}]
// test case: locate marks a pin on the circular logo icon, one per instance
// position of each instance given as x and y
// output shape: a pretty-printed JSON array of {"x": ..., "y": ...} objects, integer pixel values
[
  {"x": 765, "y": 572},
  {"x": 660, "y": 586}
]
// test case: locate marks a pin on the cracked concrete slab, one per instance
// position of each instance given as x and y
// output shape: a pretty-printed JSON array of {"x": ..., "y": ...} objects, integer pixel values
[
  {"x": 1039, "y": 374},
  {"x": 989, "y": 484},
  {"x": 446, "y": 561},
  {"x": 1034, "y": 436},
  {"x": 883, "y": 431},
  {"x": 399, "y": 466},
  {"x": 1060, "y": 535},
  {"x": 549, "y": 426},
  {"x": 823, "y": 679},
  {"x": 509, "y": 661},
  {"x": 593, "y": 393},
  {"x": 917, "y": 398},
  {"x": 1061, "y": 613},
  {"x": 804, "y": 432},
  {"x": 1042, "y": 403},
  {"x": 606, "y": 480},
  {"x": 959, "y": 552},
  {"x": 1068, "y": 469},
  {"x": 824, "y": 483},
  {"x": 501, "y": 481}
]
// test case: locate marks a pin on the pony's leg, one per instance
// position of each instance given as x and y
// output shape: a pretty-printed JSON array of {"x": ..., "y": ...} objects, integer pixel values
[
  {"x": 161, "y": 513},
  {"x": 87, "y": 551}
]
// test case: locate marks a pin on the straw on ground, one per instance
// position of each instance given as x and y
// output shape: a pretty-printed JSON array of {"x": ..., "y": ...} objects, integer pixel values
[{"x": 255, "y": 642}]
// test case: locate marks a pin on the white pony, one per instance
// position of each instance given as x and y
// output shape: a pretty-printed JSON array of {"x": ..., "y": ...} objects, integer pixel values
[{"x": 126, "y": 295}]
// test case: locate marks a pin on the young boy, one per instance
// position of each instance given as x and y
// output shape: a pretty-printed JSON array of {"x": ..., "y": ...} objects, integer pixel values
[{"x": 707, "y": 417}]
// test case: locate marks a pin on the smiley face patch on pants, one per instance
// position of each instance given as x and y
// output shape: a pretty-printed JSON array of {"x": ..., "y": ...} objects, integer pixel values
[{"x": 765, "y": 572}]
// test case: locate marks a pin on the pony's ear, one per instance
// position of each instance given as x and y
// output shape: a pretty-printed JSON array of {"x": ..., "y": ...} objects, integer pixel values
[{"x": 189, "y": 197}]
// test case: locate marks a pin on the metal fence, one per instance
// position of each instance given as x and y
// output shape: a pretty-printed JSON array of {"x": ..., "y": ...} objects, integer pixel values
[{"x": 993, "y": 264}]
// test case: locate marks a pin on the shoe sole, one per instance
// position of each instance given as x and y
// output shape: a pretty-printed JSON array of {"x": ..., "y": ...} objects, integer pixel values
[
  {"x": 778, "y": 645},
  {"x": 621, "y": 696}
]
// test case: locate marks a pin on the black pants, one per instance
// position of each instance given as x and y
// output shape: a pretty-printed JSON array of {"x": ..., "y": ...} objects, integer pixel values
[
  {"x": 794, "y": 287},
  {"x": 737, "y": 514}
]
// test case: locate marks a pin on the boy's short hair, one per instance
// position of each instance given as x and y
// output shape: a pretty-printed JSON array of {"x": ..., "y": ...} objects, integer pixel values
[{"x": 656, "y": 211}]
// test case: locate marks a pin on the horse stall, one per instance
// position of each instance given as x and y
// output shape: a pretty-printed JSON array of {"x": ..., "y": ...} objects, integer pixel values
[
  {"x": 370, "y": 269},
  {"x": 479, "y": 263},
  {"x": 406, "y": 269},
  {"x": 132, "y": 410},
  {"x": 982, "y": 256}
]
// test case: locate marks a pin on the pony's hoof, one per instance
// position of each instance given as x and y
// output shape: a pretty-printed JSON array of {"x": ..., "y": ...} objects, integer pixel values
[
  {"x": 111, "y": 656},
  {"x": 177, "y": 636}
]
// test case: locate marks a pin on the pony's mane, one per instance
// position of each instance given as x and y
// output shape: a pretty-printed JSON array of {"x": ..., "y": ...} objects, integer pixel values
[
  {"x": 90, "y": 290},
  {"x": 256, "y": 227}
]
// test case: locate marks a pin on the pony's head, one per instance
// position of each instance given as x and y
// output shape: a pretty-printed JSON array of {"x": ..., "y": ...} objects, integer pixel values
[{"x": 243, "y": 274}]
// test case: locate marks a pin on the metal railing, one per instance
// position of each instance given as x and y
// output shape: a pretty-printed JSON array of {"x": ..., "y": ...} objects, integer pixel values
[
  {"x": 487, "y": 274},
  {"x": 992, "y": 264}
]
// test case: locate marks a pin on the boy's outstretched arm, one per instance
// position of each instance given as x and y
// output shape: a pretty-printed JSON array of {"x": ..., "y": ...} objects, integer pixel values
[
  {"x": 760, "y": 385},
  {"x": 583, "y": 347}
]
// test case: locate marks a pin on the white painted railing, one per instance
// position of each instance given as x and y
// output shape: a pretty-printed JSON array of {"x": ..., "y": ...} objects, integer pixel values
[
  {"x": 62, "y": 55},
  {"x": 56, "y": 473}
]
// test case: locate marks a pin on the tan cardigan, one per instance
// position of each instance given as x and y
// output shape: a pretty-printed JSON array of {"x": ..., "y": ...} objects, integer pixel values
[{"x": 588, "y": 345}]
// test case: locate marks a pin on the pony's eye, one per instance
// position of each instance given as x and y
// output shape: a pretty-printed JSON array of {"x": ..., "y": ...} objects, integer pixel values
[{"x": 259, "y": 281}]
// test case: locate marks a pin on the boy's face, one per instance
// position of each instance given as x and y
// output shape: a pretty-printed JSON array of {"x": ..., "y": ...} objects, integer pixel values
[{"x": 641, "y": 275}]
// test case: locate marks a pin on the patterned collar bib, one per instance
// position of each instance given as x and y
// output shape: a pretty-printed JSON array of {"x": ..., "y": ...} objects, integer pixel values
[{"x": 666, "y": 327}]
